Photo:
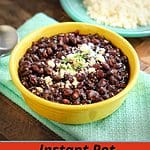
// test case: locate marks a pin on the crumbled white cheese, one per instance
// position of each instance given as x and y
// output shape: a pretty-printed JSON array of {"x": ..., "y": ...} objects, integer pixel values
[
  {"x": 33, "y": 91},
  {"x": 70, "y": 56},
  {"x": 63, "y": 57},
  {"x": 58, "y": 64},
  {"x": 62, "y": 72},
  {"x": 67, "y": 69},
  {"x": 100, "y": 58},
  {"x": 56, "y": 73},
  {"x": 107, "y": 54},
  {"x": 75, "y": 82},
  {"x": 79, "y": 63},
  {"x": 57, "y": 84},
  {"x": 63, "y": 66},
  {"x": 87, "y": 46},
  {"x": 91, "y": 45},
  {"x": 90, "y": 70},
  {"x": 87, "y": 49},
  {"x": 92, "y": 53},
  {"x": 48, "y": 80},
  {"x": 85, "y": 69},
  {"x": 68, "y": 84},
  {"x": 102, "y": 50},
  {"x": 82, "y": 70},
  {"x": 51, "y": 63},
  {"x": 84, "y": 48},
  {"x": 71, "y": 71},
  {"x": 69, "y": 66},
  {"x": 97, "y": 49},
  {"x": 39, "y": 89},
  {"x": 92, "y": 61}
]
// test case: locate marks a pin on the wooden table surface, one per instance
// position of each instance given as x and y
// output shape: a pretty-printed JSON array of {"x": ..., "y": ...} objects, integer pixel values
[{"x": 15, "y": 123}]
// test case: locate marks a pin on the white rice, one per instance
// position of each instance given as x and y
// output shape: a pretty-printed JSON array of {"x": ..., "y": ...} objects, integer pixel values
[{"x": 119, "y": 13}]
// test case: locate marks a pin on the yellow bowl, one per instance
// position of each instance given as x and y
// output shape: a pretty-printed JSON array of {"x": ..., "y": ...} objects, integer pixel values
[{"x": 73, "y": 114}]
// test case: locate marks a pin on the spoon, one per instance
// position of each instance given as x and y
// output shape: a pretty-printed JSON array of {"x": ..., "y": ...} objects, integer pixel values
[{"x": 8, "y": 39}]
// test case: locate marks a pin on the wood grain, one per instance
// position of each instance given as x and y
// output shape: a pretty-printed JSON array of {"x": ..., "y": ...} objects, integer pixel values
[
  {"x": 142, "y": 47},
  {"x": 15, "y": 123}
]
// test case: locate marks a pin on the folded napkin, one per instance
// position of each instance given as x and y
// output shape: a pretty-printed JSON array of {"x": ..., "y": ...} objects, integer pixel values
[{"x": 131, "y": 122}]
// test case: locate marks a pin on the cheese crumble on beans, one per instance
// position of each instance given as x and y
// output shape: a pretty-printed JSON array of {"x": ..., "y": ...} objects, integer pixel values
[{"x": 72, "y": 68}]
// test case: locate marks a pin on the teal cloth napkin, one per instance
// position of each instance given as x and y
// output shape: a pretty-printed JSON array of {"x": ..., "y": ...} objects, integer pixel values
[{"x": 131, "y": 122}]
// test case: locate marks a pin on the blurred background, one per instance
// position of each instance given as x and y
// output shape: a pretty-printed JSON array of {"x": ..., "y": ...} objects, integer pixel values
[{"x": 15, "y": 12}]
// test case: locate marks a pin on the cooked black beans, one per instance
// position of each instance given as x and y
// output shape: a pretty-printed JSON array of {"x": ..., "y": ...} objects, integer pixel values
[{"x": 72, "y": 68}]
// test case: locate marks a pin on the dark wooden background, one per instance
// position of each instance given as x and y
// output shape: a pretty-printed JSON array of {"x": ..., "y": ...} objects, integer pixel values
[{"x": 15, "y": 123}]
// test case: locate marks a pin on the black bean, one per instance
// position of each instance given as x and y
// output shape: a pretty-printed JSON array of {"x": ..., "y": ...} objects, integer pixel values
[
  {"x": 48, "y": 70},
  {"x": 93, "y": 95},
  {"x": 83, "y": 95},
  {"x": 102, "y": 90},
  {"x": 89, "y": 101},
  {"x": 53, "y": 46},
  {"x": 26, "y": 72},
  {"x": 59, "y": 99},
  {"x": 67, "y": 92},
  {"x": 73, "y": 40},
  {"x": 80, "y": 85},
  {"x": 41, "y": 71},
  {"x": 105, "y": 96},
  {"x": 25, "y": 84},
  {"x": 66, "y": 101},
  {"x": 122, "y": 85},
  {"x": 108, "y": 79},
  {"x": 111, "y": 94},
  {"x": 61, "y": 42},
  {"x": 45, "y": 54},
  {"x": 83, "y": 102},
  {"x": 35, "y": 57},
  {"x": 75, "y": 94},
  {"x": 46, "y": 94},
  {"x": 95, "y": 41},
  {"x": 66, "y": 76},
  {"x": 33, "y": 79},
  {"x": 106, "y": 66},
  {"x": 91, "y": 75},
  {"x": 113, "y": 80},
  {"x": 102, "y": 83},
  {"x": 65, "y": 39},
  {"x": 35, "y": 68},
  {"x": 49, "y": 51},
  {"x": 70, "y": 78},
  {"x": 97, "y": 66},
  {"x": 99, "y": 74},
  {"x": 118, "y": 65},
  {"x": 76, "y": 102},
  {"x": 80, "y": 76},
  {"x": 56, "y": 78},
  {"x": 66, "y": 47},
  {"x": 59, "y": 55}
]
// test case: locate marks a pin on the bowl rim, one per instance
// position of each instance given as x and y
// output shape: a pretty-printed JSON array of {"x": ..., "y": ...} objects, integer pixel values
[{"x": 42, "y": 101}]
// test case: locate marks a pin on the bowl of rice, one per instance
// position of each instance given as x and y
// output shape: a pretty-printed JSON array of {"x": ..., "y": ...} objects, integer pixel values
[
  {"x": 128, "y": 18},
  {"x": 122, "y": 13}
]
